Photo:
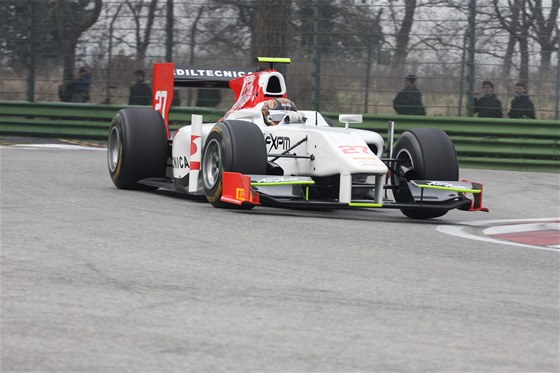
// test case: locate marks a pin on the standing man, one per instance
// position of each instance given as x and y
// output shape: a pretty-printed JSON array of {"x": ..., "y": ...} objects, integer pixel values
[
  {"x": 409, "y": 99},
  {"x": 488, "y": 106},
  {"x": 140, "y": 92},
  {"x": 521, "y": 105},
  {"x": 78, "y": 89}
]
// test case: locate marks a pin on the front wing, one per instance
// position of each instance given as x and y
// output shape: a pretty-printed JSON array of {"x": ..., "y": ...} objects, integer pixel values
[{"x": 245, "y": 189}]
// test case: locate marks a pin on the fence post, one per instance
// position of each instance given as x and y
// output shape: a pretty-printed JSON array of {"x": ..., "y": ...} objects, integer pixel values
[
  {"x": 110, "y": 58},
  {"x": 169, "y": 32},
  {"x": 557, "y": 114},
  {"x": 31, "y": 55},
  {"x": 471, "y": 57},
  {"x": 317, "y": 54}
]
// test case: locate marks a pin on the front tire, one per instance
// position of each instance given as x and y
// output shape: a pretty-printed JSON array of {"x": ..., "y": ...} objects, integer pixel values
[
  {"x": 232, "y": 146},
  {"x": 423, "y": 154},
  {"x": 137, "y": 147}
]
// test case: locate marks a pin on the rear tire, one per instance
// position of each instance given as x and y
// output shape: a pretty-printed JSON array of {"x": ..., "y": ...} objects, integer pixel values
[
  {"x": 424, "y": 154},
  {"x": 137, "y": 147},
  {"x": 232, "y": 146}
]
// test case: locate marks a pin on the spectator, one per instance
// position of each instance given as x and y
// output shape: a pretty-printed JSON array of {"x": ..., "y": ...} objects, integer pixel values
[
  {"x": 521, "y": 105},
  {"x": 140, "y": 92},
  {"x": 488, "y": 106},
  {"x": 78, "y": 89},
  {"x": 409, "y": 99}
]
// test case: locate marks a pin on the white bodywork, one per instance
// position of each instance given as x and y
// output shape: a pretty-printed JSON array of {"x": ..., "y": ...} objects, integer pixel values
[{"x": 332, "y": 150}]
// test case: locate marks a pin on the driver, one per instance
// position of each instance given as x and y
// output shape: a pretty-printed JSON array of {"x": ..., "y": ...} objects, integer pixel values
[{"x": 277, "y": 109}]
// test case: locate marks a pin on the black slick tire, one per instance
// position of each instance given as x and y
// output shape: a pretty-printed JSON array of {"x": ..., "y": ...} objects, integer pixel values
[
  {"x": 137, "y": 147},
  {"x": 424, "y": 154}
]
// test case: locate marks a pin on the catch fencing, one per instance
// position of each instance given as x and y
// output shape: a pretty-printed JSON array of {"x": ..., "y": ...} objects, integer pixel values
[{"x": 347, "y": 55}]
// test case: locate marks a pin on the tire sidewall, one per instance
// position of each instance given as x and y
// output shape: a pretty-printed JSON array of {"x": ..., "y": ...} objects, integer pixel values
[
  {"x": 116, "y": 129},
  {"x": 218, "y": 134},
  {"x": 242, "y": 149}
]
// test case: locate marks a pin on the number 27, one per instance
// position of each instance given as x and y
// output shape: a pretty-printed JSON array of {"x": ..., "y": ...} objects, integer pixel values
[
  {"x": 354, "y": 149},
  {"x": 161, "y": 101}
]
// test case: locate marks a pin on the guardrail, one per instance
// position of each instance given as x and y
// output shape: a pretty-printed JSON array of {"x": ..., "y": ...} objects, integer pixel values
[
  {"x": 512, "y": 144},
  {"x": 492, "y": 143},
  {"x": 80, "y": 121}
]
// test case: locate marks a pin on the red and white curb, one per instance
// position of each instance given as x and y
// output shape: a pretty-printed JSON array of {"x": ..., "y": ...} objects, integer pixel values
[{"x": 542, "y": 234}]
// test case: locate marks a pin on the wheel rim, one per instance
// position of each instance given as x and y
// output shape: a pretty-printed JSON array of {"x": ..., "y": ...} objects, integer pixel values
[
  {"x": 113, "y": 149},
  {"x": 405, "y": 166},
  {"x": 212, "y": 164}
]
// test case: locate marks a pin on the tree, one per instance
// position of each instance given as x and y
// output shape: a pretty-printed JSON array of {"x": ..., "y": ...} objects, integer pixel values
[
  {"x": 72, "y": 19},
  {"x": 142, "y": 33},
  {"x": 516, "y": 22},
  {"x": 269, "y": 28},
  {"x": 344, "y": 27},
  {"x": 545, "y": 29},
  {"x": 402, "y": 35},
  {"x": 19, "y": 38},
  {"x": 265, "y": 21}
]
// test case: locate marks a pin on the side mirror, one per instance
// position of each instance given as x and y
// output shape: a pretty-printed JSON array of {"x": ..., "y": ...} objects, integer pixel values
[{"x": 350, "y": 118}]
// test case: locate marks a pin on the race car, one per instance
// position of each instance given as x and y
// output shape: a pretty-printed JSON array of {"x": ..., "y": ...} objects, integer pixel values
[{"x": 264, "y": 151}]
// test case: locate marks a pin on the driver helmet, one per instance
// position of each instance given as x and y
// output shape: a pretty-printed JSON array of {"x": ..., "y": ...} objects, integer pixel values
[{"x": 274, "y": 110}]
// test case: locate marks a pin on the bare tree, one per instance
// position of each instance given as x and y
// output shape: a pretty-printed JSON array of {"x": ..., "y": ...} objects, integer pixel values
[
  {"x": 402, "y": 34},
  {"x": 228, "y": 29},
  {"x": 270, "y": 23},
  {"x": 266, "y": 21},
  {"x": 544, "y": 30},
  {"x": 192, "y": 34},
  {"x": 142, "y": 33},
  {"x": 72, "y": 19},
  {"x": 516, "y": 21}
]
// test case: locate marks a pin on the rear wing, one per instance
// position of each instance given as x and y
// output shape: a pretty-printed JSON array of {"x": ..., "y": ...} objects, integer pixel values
[{"x": 167, "y": 76}]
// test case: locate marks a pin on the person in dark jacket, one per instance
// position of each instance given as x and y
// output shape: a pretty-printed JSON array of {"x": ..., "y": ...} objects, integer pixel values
[
  {"x": 488, "y": 106},
  {"x": 140, "y": 92},
  {"x": 78, "y": 89},
  {"x": 409, "y": 99},
  {"x": 521, "y": 106}
]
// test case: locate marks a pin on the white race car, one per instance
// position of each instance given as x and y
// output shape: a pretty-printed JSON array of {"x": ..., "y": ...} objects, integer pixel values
[{"x": 266, "y": 152}]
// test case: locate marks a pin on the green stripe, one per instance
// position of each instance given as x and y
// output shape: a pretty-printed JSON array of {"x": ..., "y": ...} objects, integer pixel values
[
  {"x": 274, "y": 59},
  {"x": 365, "y": 204}
]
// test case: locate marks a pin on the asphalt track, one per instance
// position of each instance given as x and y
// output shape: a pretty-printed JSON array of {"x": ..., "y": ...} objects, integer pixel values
[{"x": 96, "y": 279}]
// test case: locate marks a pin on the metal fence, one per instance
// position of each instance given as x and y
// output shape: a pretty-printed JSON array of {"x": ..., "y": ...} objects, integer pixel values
[{"x": 347, "y": 55}]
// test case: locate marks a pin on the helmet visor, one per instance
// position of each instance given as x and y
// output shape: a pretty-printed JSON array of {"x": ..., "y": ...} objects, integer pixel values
[{"x": 277, "y": 115}]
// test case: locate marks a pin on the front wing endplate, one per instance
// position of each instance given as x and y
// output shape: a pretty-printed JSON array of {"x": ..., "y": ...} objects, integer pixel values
[
  {"x": 462, "y": 186},
  {"x": 236, "y": 189}
]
